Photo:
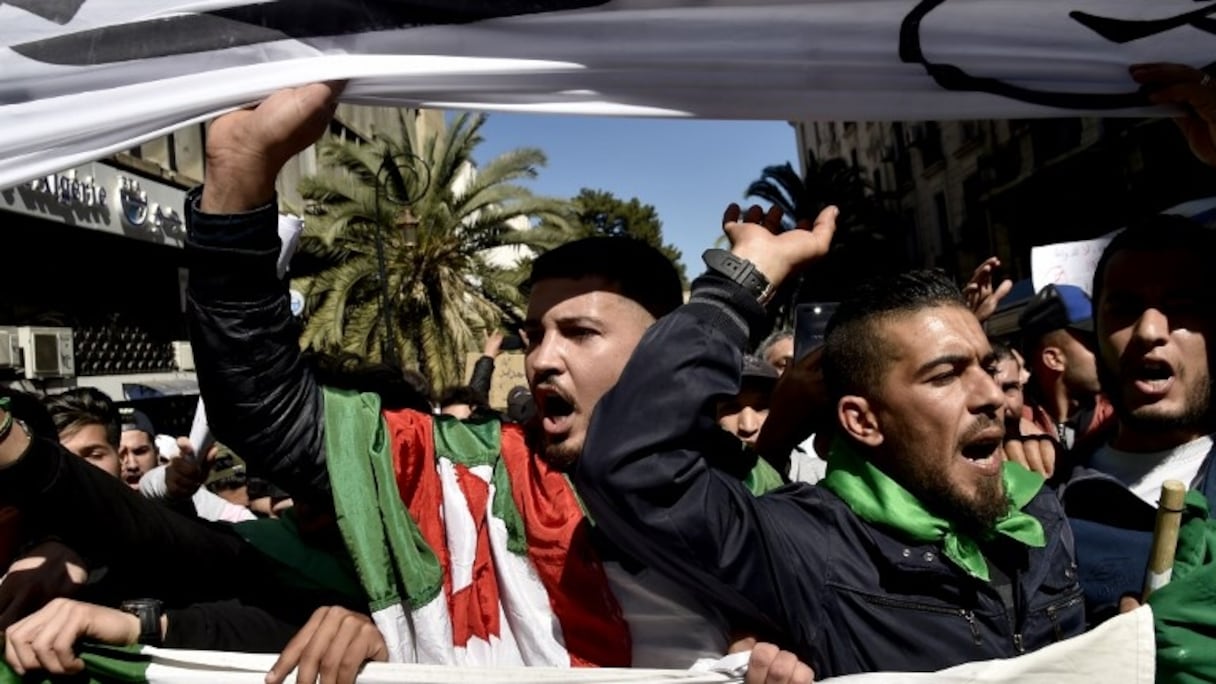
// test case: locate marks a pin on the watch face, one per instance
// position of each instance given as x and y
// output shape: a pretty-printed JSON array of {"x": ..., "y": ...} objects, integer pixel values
[{"x": 149, "y": 612}]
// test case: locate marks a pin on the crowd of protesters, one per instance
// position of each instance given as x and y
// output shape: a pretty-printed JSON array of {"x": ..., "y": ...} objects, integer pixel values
[{"x": 674, "y": 484}]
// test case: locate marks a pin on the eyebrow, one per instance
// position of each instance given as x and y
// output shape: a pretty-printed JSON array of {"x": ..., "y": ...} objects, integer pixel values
[{"x": 951, "y": 360}]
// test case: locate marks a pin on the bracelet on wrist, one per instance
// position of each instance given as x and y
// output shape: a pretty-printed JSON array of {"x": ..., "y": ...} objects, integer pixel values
[{"x": 6, "y": 426}]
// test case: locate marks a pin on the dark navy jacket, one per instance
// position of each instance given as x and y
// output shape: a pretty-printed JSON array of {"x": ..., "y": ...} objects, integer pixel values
[
  {"x": 1114, "y": 532},
  {"x": 796, "y": 564}
]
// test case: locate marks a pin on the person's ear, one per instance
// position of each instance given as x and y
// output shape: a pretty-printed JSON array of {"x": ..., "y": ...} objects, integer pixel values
[
  {"x": 858, "y": 420},
  {"x": 1054, "y": 359}
]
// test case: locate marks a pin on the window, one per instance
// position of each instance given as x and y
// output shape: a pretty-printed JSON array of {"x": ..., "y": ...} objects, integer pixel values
[
  {"x": 943, "y": 222},
  {"x": 931, "y": 145}
]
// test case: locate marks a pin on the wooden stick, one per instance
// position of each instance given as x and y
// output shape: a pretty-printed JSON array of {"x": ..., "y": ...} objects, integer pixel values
[{"x": 1165, "y": 537}]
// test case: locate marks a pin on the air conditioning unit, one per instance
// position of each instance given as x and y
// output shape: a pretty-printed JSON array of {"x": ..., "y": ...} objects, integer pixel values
[
  {"x": 10, "y": 351},
  {"x": 48, "y": 352},
  {"x": 183, "y": 355}
]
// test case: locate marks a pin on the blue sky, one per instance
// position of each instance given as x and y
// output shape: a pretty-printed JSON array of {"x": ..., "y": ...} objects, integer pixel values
[{"x": 688, "y": 169}]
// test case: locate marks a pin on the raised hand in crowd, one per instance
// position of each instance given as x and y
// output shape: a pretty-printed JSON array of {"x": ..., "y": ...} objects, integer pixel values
[
  {"x": 44, "y": 640},
  {"x": 183, "y": 477},
  {"x": 331, "y": 648},
  {"x": 1192, "y": 89},
  {"x": 770, "y": 665},
  {"x": 493, "y": 345},
  {"x": 246, "y": 149},
  {"x": 982, "y": 298},
  {"x": 49, "y": 571},
  {"x": 1028, "y": 445},
  {"x": 754, "y": 236}
]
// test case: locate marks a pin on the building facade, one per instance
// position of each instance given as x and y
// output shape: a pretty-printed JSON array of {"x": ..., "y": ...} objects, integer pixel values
[
  {"x": 971, "y": 189},
  {"x": 98, "y": 253}
]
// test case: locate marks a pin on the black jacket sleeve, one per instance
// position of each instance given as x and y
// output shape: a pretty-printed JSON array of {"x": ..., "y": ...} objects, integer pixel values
[
  {"x": 483, "y": 376},
  {"x": 646, "y": 477},
  {"x": 262, "y": 400},
  {"x": 146, "y": 549},
  {"x": 228, "y": 626}
]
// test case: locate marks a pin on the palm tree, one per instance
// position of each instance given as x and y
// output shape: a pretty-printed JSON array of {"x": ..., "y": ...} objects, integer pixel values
[
  {"x": 833, "y": 181},
  {"x": 413, "y": 205},
  {"x": 868, "y": 233}
]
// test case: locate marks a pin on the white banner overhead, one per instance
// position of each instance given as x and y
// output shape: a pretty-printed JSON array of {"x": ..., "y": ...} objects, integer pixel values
[{"x": 83, "y": 78}]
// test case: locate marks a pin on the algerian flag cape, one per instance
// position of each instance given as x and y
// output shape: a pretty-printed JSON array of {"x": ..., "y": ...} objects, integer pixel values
[{"x": 488, "y": 562}]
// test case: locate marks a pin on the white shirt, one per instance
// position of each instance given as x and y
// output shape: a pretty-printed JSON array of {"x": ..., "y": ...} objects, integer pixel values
[
  {"x": 208, "y": 505},
  {"x": 1144, "y": 473},
  {"x": 669, "y": 628},
  {"x": 806, "y": 465}
]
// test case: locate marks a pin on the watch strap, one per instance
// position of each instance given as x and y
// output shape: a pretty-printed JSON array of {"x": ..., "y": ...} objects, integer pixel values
[
  {"x": 740, "y": 271},
  {"x": 149, "y": 612}
]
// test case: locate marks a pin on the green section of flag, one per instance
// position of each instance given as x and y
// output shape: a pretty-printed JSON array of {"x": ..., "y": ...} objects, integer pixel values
[
  {"x": 298, "y": 563},
  {"x": 470, "y": 443},
  {"x": 393, "y": 560},
  {"x": 103, "y": 665},
  {"x": 479, "y": 443},
  {"x": 1184, "y": 611}
]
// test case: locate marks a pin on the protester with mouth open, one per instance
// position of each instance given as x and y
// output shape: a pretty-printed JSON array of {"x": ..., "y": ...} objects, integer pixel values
[
  {"x": 921, "y": 548},
  {"x": 1153, "y": 308}
]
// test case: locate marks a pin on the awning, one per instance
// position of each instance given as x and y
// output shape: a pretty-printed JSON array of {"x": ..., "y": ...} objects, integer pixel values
[{"x": 154, "y": 389}]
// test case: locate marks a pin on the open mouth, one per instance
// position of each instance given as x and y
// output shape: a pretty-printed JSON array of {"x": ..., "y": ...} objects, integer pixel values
[
  {"x": 984, "y": 452},
  {"x": 132, "y": 479},
  {"x": 981, "y": 450},
  {"x": 1152, "y": 377},
  {"x": 556, "y": 412}
]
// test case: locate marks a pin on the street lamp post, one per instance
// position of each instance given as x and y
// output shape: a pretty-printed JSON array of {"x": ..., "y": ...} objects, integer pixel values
[{"x": 407, "y": 223}]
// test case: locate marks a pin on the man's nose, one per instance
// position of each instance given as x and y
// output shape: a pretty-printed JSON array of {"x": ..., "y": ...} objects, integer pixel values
[
  {"x": 1152, "y": 328},
  {"x": 749, "y": 421}
]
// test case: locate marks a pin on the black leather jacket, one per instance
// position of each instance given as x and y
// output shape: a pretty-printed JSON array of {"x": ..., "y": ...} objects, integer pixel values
[{"x": 261, "y": 400}]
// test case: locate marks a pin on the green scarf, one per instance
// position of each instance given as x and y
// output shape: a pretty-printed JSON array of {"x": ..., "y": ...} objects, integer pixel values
[{"x": 878, "y": 499}]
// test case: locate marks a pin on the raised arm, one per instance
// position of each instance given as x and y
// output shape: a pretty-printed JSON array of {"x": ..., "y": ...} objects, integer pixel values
[
  {"x": 645, "y": 472},
  {"x": 261, "y": 399}
]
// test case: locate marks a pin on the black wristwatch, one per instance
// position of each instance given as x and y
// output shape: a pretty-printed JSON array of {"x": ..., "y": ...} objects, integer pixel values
[
  {"x": 740, "y": 271},
  {"x": 149, "y": 612}
]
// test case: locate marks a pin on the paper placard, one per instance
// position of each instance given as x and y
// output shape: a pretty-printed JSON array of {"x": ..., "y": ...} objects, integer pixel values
[{"x": 1067, "y": 263}]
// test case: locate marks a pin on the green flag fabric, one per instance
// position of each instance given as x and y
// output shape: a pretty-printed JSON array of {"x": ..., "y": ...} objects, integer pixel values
[{"x": 1184, "y": 611}]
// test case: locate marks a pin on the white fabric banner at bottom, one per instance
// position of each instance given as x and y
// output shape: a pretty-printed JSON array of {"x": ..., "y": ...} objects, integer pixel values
[{"x": 1121, "y": 651}]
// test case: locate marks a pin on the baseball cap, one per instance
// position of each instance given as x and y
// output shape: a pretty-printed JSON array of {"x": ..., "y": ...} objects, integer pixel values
[
  {"x": 758, "y": 371},
  {"x": 134, "y": 419},
  {"x": 1057, "y": 307},
  {"x": 227, "y": 470}
]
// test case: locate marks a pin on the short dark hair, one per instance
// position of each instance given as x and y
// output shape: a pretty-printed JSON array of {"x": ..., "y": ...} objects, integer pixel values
[
  {"x": 1158, "y": 233},
  {"x": 84, "y": 406},
  {"x": 854, "y": 352},
  {"x": 29, "y": 409},
  {"x": 462, "y": 394},
  {"x": 1001, "y": 351},
  {"x": 640, "y": 272}
]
